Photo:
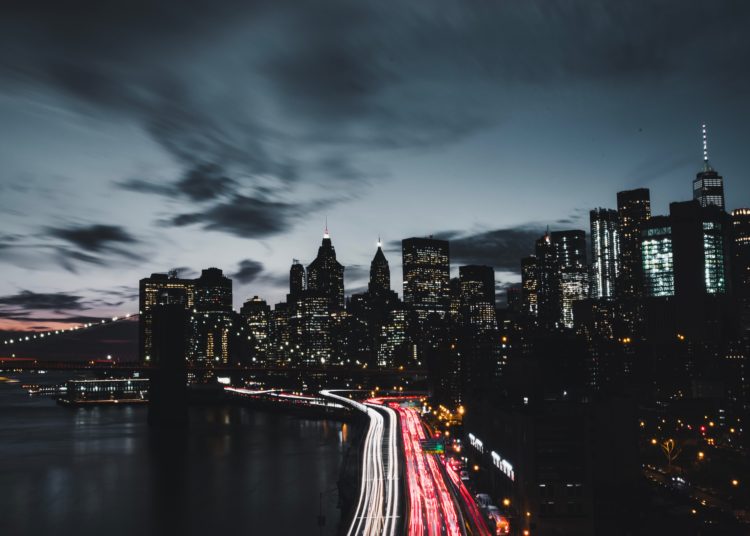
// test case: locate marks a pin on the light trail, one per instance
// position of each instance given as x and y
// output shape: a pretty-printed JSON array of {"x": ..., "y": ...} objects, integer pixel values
[
  {"x": 470, "y": 505},
  {"x": 432, "y": 510},
  {"x": 377, "y": 506}
]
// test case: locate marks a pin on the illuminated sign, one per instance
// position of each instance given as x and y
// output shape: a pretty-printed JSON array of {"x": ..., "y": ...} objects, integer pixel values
[
  {"x": 476, "y": 443},
  {"x": 224, "y": 380},
  {"x": 504, "y": 465}
]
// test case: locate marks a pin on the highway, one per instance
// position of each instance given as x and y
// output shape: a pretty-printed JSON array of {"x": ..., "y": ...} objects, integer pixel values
[
  {"x": 377, "y": 508},
  {"x": 432, "y": 509}
]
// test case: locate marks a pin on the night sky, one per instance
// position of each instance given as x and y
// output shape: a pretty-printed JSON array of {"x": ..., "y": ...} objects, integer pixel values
[{"x": 135, "y": 139}]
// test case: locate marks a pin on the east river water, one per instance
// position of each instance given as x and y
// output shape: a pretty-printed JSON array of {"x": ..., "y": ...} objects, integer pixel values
[{"x": 102, "y": 471}]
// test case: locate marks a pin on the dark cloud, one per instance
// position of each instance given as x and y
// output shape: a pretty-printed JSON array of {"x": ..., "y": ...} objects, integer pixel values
[
  {"x": 261, "y": 96},
  {"x": 246, "y": 217},
  {"x": 247, "y": 271},
  {"x": 94, "y": 238},
  {"x": 28, "y": 300},
  {"x": 502, "y": 249}
]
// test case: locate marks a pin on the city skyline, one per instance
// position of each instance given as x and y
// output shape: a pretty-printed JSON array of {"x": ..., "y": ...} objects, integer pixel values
[{"x": 199, "y": 180}]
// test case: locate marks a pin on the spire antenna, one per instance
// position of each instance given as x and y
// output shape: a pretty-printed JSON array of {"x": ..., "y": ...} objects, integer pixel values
[
  {"x": 380, "y": 244},
  {"x": 325, "y": 233},
  {"x": 705, "y": 143}
]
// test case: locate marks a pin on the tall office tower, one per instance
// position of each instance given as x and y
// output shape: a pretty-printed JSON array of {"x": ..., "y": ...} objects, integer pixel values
[
  {"x": 394, "y": 345},
  {"x": 213, "y": 291},
  {"x": 570, "y": 248},
  {"x": 256, "y": 314},
  {"x": 700, "y": 242},
  {"x": 281, "y": 332},
  {"x": 313, "y": 325},
  {"x": 574, "y": 287},
  {"x": 633, "y": 210},
  {"x": 548, "y": 282},
  {"x": 454, "y": 309},
  {"x": 741, "y": 262},
  {"x": 708, "y": 186},
  {"x": 213, "y": 318},
  {"x": 159, "y": 289},
  {"x": 529, "y": 285},
  {"x": 380, "y": 273},
  {"x": 605, "y": 252},
  {"x": 325, "y": 275},
  {"x": 477, "y": 283},
  {"x": 477, "y": 291},
  {"x": 296, "y": 281},
  {"x": 426, "y": 265},
  {"x": 658, "y": 258}
]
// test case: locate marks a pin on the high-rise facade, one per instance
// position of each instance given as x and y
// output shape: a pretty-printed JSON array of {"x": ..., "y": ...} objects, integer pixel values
[
  {"x": 380, "y": 273},
  {"x": 605, "y": 252},
  {"x": 256, "y": 314},
  {"x": 741, "y": 262},
  {"x": 325, "y": 275},
  {"x": 296, "y": 281},
  {"x": 658, "y": 258},
  {"x": 529, "y": 285},
  {"x": 477, "y": 283},
  {"x": 159, "y": 289},
  {"x": 548, "y": 282},
  {"x": 477, "y": 297},
  {"x": 426, "y": 274},
  {"x": 633, "y": 210},
  {"x": 708, "y": 186},
  {"x": 213, "y": 317},
  {"x": 574, "y": 287}
]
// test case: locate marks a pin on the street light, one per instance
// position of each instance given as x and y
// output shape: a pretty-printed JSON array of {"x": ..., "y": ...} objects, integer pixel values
[{"x": 506, "y": 502}]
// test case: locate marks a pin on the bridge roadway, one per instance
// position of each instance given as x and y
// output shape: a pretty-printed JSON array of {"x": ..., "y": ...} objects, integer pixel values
[
  {"x": 377, "y": 511},
  {"x": 30, "y": 363}
]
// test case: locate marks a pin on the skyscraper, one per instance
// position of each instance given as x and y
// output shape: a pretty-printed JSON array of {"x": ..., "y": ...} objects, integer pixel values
[
  {"x": 325, "y": 275},
  {"x": 570, "y": 248},
  {"x": 160, "y": 289},
  {"x": 296, "y": 281},
  {"x": 563, "y": 276},
  {"x": 658, "y": 258},
  {"x": 708, "y": 186},
  {"x": 633, "y": 210},
  {"x": 380, "y": 273},
  {"x": 426, "y": 270},
  {"x": 256, "y": 314},
  {"x": 548, "y": 282},
  {"x": 477, "y": 283},
  {"x": 741, "y": 262},
  {"x": 605, "y": 252},
  {"x": 213, "y": 319},
  {"x": 529, "y": 284},
  {"x": 477, "y": 291}
]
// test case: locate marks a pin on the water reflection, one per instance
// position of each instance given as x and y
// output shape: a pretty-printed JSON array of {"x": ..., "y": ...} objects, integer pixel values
[{"x": 103, "y": 471}]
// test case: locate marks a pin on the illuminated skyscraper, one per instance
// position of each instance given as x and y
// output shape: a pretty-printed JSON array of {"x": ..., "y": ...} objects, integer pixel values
[
  {"x": 426, "y": 270},
  {"x": 529, "y": 284},
  {"x": 574, "y": 287},
  {"x": 477, "y": 291},
  {"x": 325, "y": 275},
  {"x": 548, "y": 282},
  {"x": 570, "y": 248},
  {"x": 160, "y": 289},
  {"x": 633, "y": 210},
  {"x": 658, "y": 258},
  {"x": 256, "y": 314},
  {"x": 605, "y": 252},
  {"x": 708, "y": 186},
  {"x": 477, "y": 283},
  {"x": 213, "y": 318},
  {"x": 380, "y": 273},
  {"x": 741, "y": 262}
]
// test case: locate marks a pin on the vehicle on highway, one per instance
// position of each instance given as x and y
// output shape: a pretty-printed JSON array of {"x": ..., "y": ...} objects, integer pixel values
[
  {"x": 501, "y": 524},
  {"x": 483, "y": 500}
]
